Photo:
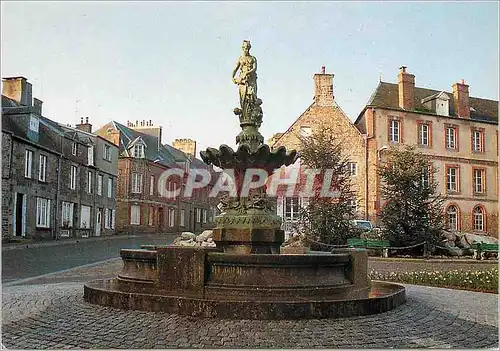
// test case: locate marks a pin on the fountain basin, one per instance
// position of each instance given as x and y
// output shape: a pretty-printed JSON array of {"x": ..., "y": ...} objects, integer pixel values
[{"x": 207, "y": 283}]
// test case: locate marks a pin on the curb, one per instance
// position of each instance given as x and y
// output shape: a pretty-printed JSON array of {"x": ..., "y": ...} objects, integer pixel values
[{"x": 432, "y": 260}]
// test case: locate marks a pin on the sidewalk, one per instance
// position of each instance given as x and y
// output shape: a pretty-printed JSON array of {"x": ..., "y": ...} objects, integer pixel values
[{"x": 30, "y": 243}]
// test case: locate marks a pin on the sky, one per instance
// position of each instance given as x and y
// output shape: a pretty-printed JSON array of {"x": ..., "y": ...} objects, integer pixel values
[{"x": 171, "y": 62}]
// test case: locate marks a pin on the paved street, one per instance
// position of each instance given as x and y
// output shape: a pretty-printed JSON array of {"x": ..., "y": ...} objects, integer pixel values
[
  {"x": 19, "y": 262},
  {"x": 50, "y": 314}
]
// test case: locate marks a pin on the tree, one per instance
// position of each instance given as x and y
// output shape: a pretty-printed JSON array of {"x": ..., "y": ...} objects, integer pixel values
[
  {"x": 327, "y": 219},
  {"x": 413, "y": 210}
]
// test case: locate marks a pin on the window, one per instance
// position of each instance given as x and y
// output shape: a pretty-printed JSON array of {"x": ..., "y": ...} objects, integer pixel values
[
  {"x": 136, "y": 183},
  {"x": 198, "y": 215},
  {"x": 182, "y": 218},
  {"x": 151, "y": 219},
  {"x": 292, "y": 208},
  {"x": 425, "y": 178},
  {"x": 452, "y": 218},
  {"x": 452, "y": 179},
  {"x": 99, "y": 184},
  {"x": 451, "y": 138},
  {"x": 479, "y": 180},
  {"x": 394, "y": 136},
  {"x": 423, "y": 134},
  {"x": 110, "y": 187},
  {"x": 89, "y": 182},
  {"x": 477, "y": 140},
  {"x": 305, "y": 131},
  {"x": 28, "y": 161},
  {"x": 113, "y": 216},
  {"x": 479, "y": 218},
  {"x": 139, "y": 151},
  {"x": 42, "y": 168},
  {"x": 67, "y": 214},
  {"x": 135, "y": 214},
  {"x": 85, "y": 217},
  {"x": 204, "y": 216},
  {"x": 108, "y": 218},
  {"x": 353, "y": 204},
  {"x": 42, "y": 212},
  {"x": 353, "y": 168},
  {"x": 171, "y": 217},
  {"x": 152, "y": 185},
  {"x": 74, "y": 149},
  {"x": 90, "y": 155},
  {"x": 106, "y": 154},
  {"x": 72, "y": 179}
]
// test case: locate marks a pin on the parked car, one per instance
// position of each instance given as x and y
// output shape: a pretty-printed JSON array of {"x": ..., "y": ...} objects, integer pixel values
[{"x": 363, "y": 225}]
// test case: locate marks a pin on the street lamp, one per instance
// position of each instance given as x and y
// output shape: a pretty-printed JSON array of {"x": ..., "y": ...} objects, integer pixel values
[{"x": 379, "y": 151}]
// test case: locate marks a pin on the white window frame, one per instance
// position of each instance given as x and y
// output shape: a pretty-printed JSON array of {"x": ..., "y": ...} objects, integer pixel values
[
  {"x": 110, "y": 187},
  {"x": 478, "y": 218},
  {"x": 204, "y": 215},
  {"x": 89, "y": 182},
  {"x": 151, "y": 213},
  {"x": 394, "y": 131},
  {"x": 353, "y": 169},
  {"x": 305, "y": 131},
  {"x": 451, "y": 142},
  {"x": 136, "y": 183},
  {"x": 424, "y": 134},
  {"x": 135, "y": 215},
  {"x": 67, "y": 214},
  {"x": 42, "y": 212},
  {"x": 99, "y": 184},
  {"x": 85, "y": 224},
  {"x": 28, "y": 163},
  {"x": 106, "y": 152},
  {"x": 198, "y": 215},
  {"x": 90, "y": 155},
  {"x": 138, "y": 150},
  {"x": 74, "y": 148},
  {"x": 477, "y": 141},
  {"x": 113, "y": 216},
  {"x": 452, "y": 174},
  {"x": 42, "y": 168},
  {"x": 171, "y": 217},
  {"x": 152, "y": 185},
  {"x": 353, "y": 203},
  {"x": 452, "y": 217},
  {"x": 108, "y": 218},
  {"x": 182, "y": 218},
  {"x": 73, "y": 177},
  {"x": 478, "y": 177}
]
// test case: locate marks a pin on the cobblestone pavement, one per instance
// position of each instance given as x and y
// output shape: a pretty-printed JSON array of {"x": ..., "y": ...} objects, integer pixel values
[{"x": 54, "y": 316}]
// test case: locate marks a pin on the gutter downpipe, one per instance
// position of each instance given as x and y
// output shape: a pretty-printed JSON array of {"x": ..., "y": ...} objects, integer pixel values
[
  {"x": 367, "y": 137},
  {"x": 55, "y": 236}
]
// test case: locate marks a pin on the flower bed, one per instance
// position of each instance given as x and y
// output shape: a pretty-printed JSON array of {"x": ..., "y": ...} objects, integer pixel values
[{"x": 481, "y": 280}]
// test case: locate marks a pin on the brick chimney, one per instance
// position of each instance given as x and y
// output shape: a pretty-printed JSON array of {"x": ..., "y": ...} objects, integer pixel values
[
  {"x": 323, "y": 88},
  {"x": 148, "y": 128},
  {"x": 37, "y": 105},
  {"x": 84, "y": 127},
  {"x": 461, "y": 99},
  {"x": 406, "y": 89},
  {"x": 18, "y": 89},
  {"x": 188, "y": 146}
]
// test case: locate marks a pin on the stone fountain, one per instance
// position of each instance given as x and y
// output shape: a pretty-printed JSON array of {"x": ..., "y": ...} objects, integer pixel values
[{"x": 245, "y": 276}]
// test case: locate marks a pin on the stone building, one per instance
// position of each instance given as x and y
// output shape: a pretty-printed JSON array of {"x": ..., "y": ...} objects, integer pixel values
[
  {"x": 50, "y": 173},
  {"x": 141, "y": 204},
  {"x": 457, "y": 131},
  {"x": 324, "y": 111}
]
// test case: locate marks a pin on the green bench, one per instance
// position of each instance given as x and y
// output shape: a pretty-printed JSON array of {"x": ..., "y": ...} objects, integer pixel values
[
  {"x": 370, "y": 244},
  {"x": 481, "y": 248}
]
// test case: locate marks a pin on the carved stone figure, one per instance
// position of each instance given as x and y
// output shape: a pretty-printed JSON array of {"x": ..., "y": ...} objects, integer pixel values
[{"x": 247, "y": 80}]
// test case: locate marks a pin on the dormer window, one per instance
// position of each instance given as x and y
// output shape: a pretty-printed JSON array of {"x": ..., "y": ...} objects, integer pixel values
[
  {"x": 138, "y": 151},
  {"x": 438, "y": 103}
]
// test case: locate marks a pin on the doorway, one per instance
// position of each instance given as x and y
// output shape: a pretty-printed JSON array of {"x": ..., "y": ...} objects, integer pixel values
[
  {"x": 98, "y": 222},
  {"x": 20, "y": 214}
]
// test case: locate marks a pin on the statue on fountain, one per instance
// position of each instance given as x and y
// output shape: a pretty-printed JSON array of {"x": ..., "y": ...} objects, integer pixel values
[{"x": 247, "y": 80}]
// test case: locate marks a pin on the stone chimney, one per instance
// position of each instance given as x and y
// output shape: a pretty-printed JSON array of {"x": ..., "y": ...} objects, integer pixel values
[
  {"x": 406, "y": 89},
  {"x": 18, "y": 89},
  {"x": 84, "y": 127},
  {"x": 188, "y": 146},
  {"x": 37, "y": 105},
  {"x": 147, "y": 127},
  {"x": 461, "y": 97},
  {"x": 323, "y": 88}
]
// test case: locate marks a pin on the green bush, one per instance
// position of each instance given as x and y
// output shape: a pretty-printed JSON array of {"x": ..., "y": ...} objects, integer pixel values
[{"x": 484, "y": 280}]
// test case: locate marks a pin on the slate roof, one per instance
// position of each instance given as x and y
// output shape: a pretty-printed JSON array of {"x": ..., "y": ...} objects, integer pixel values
[{"x": 386, "y": 96}]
